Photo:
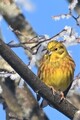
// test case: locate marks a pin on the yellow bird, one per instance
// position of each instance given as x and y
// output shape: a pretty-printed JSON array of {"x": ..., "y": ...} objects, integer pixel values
[{"x": 57, "y": 67}]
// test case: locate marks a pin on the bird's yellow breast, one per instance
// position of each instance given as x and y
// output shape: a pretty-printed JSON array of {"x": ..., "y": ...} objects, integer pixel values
[{"x": 58, "y": 74}]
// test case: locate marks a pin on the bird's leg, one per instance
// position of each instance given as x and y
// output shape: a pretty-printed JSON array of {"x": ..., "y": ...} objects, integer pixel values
[
  {"x": 52, "y": 89},
  {"x": 62, "y": 96}
]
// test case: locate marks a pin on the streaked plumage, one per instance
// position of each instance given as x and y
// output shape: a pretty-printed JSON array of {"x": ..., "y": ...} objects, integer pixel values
[{"x": 57, "y": 67}]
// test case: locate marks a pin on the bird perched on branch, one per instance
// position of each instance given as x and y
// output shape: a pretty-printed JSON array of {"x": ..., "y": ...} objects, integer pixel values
[{"x": 57, "y": 68}]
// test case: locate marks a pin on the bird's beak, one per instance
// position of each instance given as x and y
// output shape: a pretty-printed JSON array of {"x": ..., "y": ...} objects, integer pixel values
[{"x": 47, "y": 51}]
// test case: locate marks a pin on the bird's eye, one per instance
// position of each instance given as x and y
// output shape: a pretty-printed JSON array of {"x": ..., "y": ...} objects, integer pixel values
[{"x": 55, "y": 49}]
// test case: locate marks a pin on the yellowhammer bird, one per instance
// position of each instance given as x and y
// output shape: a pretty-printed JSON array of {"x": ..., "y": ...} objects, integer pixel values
[{"x": 57, "y": 67}]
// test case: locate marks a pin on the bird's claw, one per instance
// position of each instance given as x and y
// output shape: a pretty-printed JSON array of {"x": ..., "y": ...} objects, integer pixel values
[
  {"x": 62, "y": 97},
  {"x": 52, "y": 89}
]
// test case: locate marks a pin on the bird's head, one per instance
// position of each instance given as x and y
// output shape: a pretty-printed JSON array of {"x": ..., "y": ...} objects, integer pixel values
[{"x": 56, "y": 49}]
